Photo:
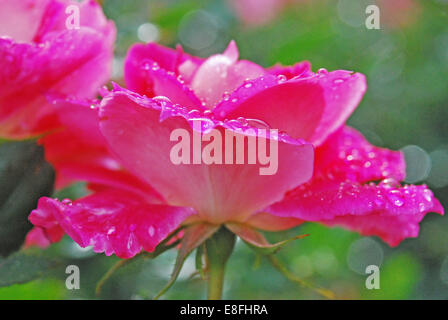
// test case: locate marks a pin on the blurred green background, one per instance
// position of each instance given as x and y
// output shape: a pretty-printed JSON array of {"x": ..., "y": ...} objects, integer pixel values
[{"x": 406, "y": 107}]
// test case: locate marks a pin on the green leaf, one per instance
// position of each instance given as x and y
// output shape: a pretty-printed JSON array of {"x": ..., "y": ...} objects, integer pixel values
[
  {"x": 257, "y": 241},
  {"x": 25, "y": 266},
  {"x": 194, "y": 236},
  {"x": 25, "y": 177}
]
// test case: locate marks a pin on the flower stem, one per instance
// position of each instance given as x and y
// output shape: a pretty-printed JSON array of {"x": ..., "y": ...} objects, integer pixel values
[{"x": 218, "y": 249}]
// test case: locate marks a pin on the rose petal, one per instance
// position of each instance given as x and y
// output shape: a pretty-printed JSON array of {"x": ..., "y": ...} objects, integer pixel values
[
  {"x": 153, "y": 70},
  {"x": 346, "y": 154},
  {"x": 310, "y": 108},
  {"x": 300, "y": 69},
  {"x": 223, "y": 73},
  {"x": 138, "y": 129},
  {"x": 388, "y": 211},
  {"x": 20, "y": 19},
  {"x": 112, "y": 221},
  {"x": 79, "y": 152}
]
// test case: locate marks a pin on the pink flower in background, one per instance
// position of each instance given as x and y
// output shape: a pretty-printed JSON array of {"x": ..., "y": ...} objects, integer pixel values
[
  {"x": 399, "y": 13},
  {"x": 257, "y": 12},
  {"x": 41, "y": 57},
  {"x": 394, "y": 14},
  {"x": 168, "y": 90}
]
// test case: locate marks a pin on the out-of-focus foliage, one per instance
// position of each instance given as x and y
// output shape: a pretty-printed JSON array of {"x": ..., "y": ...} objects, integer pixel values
[
  {"x": 25, "y": 177},
  {"x": 406, "y": 106}
]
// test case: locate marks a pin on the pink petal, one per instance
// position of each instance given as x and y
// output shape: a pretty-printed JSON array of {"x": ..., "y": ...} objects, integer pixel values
[
  {"x": 146, "y": 76},
  {"x": 154, "y": 70},
  {"x": 338, "y": 195},
  {"x": 387, "y": 210},
  {"x": 66, "y": 62},
  {"x": 37, "y": 237},
  {"x": 346, "y": 154},
  {"x": 79, "y": 152},
  {"x": 112, "y": 221},
  {"x": 20, "y": 19},
  {"x": 138, "y": 129},
  {"x": 221, "y": 74},
  {"x": 310, "y": 108},
  {"x": 90, "y": 16}
]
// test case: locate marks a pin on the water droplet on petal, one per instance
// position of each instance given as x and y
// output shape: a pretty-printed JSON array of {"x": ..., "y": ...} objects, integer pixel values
[
  {"x": 151, "y": 231},
  {"x": 427, "y": 194},
  {"x": 395, "y": 198},
  {"x": 226, "y": 96},
  {"x": 322, "y": 71},
  {"x": 281, "y": 78}
]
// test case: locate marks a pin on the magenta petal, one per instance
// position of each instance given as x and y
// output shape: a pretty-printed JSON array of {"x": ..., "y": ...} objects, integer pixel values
[
  {"x": 386, "y": 210},
  {"x": 37, "y": 237},
  {"x": 154, "y": 70},
  {"x": 310, "y": 108},
  {"x": 79, "y": 152},
  {"x": 55, "y": 18},
  {"x": 147, "y": 77},
  {"x": 61, "y": 62},
  {"x": 112, "y": 221},
  {"x": 346, "y": 154},
  {"x": 138, "y": 130}
]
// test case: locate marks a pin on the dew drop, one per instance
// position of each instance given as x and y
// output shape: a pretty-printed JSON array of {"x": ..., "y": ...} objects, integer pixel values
[
  {"x": 281, "y": 78},
  {"x": 395, "y": 198},
  {"x": 111, "y": 231},
  {"x": 226, "y": 96}
]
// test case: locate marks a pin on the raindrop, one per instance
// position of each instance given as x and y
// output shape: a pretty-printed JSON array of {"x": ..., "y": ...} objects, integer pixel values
[
  {"x": 281, "y": 78},
  {"x": 151, "y": 231},
  {"x": 396, "y": 198}
]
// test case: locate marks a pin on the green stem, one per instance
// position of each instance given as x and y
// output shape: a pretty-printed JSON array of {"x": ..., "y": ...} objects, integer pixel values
[
  {"x": 215, "y": 283},
  {"x": 218, "y": 249}
]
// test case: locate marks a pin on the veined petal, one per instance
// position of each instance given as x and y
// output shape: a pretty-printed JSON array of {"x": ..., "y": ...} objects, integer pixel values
[
  {"x": 112, "y": 221},
  {"x": 78, "y": 151},
  {"x": 310, "y": 108},
  {"x": 347, "y": 155},
  {"x": 389, "y": 211}
]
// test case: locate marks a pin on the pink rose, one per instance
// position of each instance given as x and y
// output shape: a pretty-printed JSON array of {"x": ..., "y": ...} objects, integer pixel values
[{"x": 170, "y": 90}]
